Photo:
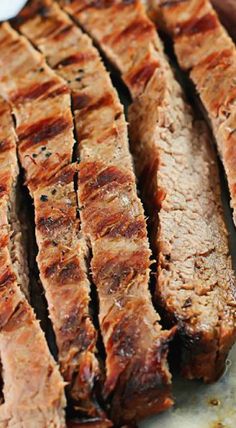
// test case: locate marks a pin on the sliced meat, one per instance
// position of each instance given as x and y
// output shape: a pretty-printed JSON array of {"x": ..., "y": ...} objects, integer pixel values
[
  {"x": 44, "y": 127},
  {"x": 204, "y": 48},
  {"x": 137, "y": 376},
  {"x": 177, "y": 169},
  {"x": 33, "y": 389}
]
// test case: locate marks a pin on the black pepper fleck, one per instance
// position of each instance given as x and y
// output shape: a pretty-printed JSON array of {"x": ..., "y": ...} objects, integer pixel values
[
  {"x": 43, "y": 198},
  {"x": 48, "y": 154},
  {"x": 43, "y": 148},
  {"x": 54, "y": 192},
  {"x": 34, "y": 155}
]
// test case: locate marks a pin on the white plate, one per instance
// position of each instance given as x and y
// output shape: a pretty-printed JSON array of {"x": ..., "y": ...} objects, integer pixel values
[
  {"x": 201, "y": 406},
  {"x": 10, "y": 8}
]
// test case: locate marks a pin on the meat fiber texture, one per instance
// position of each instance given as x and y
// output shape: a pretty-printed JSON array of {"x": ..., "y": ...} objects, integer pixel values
[
  {"x": 178, "y": 173},
  {"x": 112, "y": 220},
  {"x": 44, "y": 127},
  {"x": 33, "y": 390},
  {"x": 206, "y": 51}
]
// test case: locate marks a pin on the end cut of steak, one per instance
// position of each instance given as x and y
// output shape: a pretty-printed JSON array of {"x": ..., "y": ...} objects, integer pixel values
[
  {"x": 44, "y": 126},
  {"x": 33, "y": 390},
  {"x": 177, "y": 168},
  {"x": 137, "y": 377},
  {"x": 204, "y": 48}
]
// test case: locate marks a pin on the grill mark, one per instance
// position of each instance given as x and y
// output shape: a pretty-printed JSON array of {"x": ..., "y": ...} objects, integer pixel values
[
  {"x": 43, "y": 130},
  {"x": 108, "y": 175},
  {"x": 217, "y": 58},
  {"x": 118, "y": 225},
  {"x": 17, "y": 317},
  {"x": 3, "y": 187},
  {"x": 137, "y": 28},
  {"x": 63, "y": 32},
  {"x": 49, "y": 32},
  {"x": 96, "y": 4},
  {"x": 4, "y": 239},
  {"x": 56, "y": 92},
  {"x": 7, "y": 278},
  {"x": 130, "y": 230},
  {"x": 80, "y": 101},
  {"x": 6, "y": 145},
  {"x": 71, "y": 271},
  {"x": 47, "y": 225},
  {"x": 65, "y": 176},
  {"x": 169, "y": 3},
  {"x": 34, "y": 92},
  {"x": 105, "y": 101},
  {"x": 119, "y": 272},
  {"x": 64, "y": 271},
  {"x": 141, "y": 76},
  {"x": 93, "y": 183},
  {"x": 47, "y": 170},
  {"x": 76, "y": 59},
  {"x": 123, "y": 341},
  {"x": 194, "y": 26},
  {"x": 4, "y": 40}
]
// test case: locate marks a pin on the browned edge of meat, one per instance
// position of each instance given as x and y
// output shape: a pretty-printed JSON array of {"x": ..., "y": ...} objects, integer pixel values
[
  {"x": 204, "y": 48},
  {"x": 112, "y": 218},
  {"x": 33, "y": 389},
  {"x": 195, "y": 283},
  {"x": 44, "y": 126}
]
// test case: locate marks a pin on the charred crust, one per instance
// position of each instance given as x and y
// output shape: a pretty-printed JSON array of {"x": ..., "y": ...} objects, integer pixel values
[
  {"x": 105, "y": 100},
  {"x": 117, "y": 271},
  {"x": 6, "y": 278},
  {"x": 196, "y": 25},
  {"x": 33, "y": 92},
  {"x": 141, "y": 76},
  {"x": 78, "y": 58},
  {"x": 93, "y": 181},
  {"x": 48, "y": 225},
  {"x": 136, "y": 29},
  {"x": 43, "y": 130}
]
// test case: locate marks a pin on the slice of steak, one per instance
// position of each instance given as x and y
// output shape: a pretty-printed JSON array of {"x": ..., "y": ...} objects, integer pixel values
[
  {"x": 205, "y": 50},
  {"x": 177, "y": 169},
  {"x": 33, "y": 389},
  {"x": 44, "y": 126},
  {"x": 137, "y": 376}
]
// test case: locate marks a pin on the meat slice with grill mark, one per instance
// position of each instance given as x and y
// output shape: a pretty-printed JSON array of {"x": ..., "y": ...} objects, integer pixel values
[
  {"x": 44, "y": 126},
  {"x": 206, "y": 51},
  {"x": 33, "y": 389},
  {"x": 137, "y": 377},
  {"x": 178, "y": 173}
]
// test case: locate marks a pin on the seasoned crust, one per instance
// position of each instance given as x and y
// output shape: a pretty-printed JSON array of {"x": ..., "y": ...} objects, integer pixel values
[
  {"x": 112, "y": 219},
  {"x": 44, "y": 126},
  {"x": 33, "y": 389}
]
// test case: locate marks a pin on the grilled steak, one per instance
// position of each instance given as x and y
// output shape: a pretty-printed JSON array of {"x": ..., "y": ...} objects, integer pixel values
[
  {"x": 137, "y": 376},
  {"x": 204, "y": 49},
  {"x": 41, "y": 104},
  {"x": 195, "y": 282},
  {"x": 33, "y": 390}
]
